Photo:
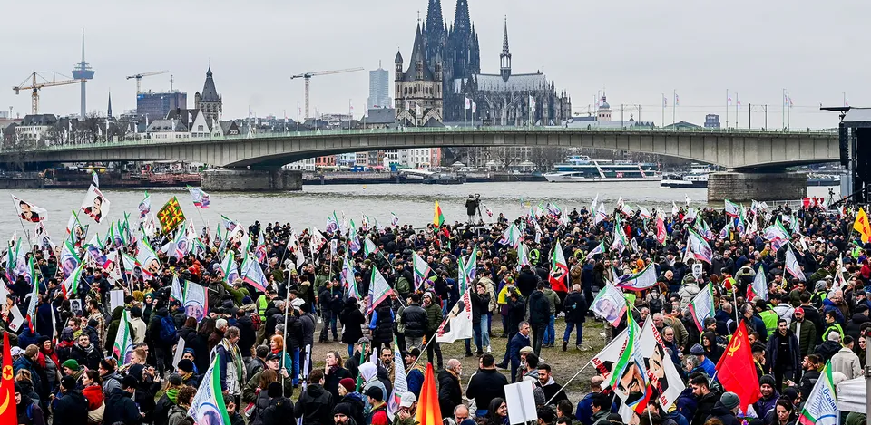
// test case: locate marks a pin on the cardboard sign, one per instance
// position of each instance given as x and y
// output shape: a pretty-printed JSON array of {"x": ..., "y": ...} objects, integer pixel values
[{"x": 520, "y": 402}]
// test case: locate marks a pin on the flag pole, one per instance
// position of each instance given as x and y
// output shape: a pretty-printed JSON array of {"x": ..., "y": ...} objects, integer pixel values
[
  {"x": 727, "y": 108},
  {"x": 673, "y": 107},
  {"x": 662, "y": 119},
  {"x": 570, "y": 380},
  {"x": 284, "y": 344}
]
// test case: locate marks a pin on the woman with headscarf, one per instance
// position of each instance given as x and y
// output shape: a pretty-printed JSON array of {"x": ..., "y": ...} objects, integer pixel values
[{"x": 369, "y": 372}]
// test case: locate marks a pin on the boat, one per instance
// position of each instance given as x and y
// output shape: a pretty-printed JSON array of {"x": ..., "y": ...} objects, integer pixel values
[
  {"x": 580, "y": 168},
  {"x": 823, "y": 179},
  {"x": 697, "y": 177}
]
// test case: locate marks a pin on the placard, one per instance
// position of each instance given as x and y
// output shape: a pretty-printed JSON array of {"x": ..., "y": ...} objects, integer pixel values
[{"x": 520, "y": 402}]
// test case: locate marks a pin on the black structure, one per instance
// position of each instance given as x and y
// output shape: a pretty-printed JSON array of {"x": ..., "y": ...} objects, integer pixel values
[{"x": 854, "y": 144}]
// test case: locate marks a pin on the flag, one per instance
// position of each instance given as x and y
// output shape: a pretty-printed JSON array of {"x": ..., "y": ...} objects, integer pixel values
[
  {"x": 629, "y": 379},
  {"x": 428, "y": 411},
  {"x": 208, "y": 407},
  {"x": 593, "y": 204},
  {"x": 619, "y": 239},
  {"x": 610, "y": 305},
  {"x": 792, "y": 266},
  {"x": 332, "y": 223},
  {"x": 400, "y": 386},
  {"x": 736, "y": 368},
  {"x": 511, "y": 236},
  {"x": 458, "y": 323},
  {"x": 468, "y": 103},
  {"x": 229, "y": 267},
  {"x": 421, "y": 270},
  {"x": 147, "y": 259},
  {"x": 347, "y": 276},
  {"x": 862, "y": 226},
  {"x": 145, "y": 206},
  {"x": 702, "y": 306},
  {"x": 68, "y": 258},
  {"x": 821, "y": 407},
  {"x": 664, "y": 101},
  {"x": 95, "y": 204},
  {"x": 176, "y": 292},
  {"x": 170, "y": 215},
  {"x": 27, "y": 211},
  {"x": 252, "y": 273},
  {"x": 8, "y": 414},
  {"x": 698, "y": 248},
  {"x": 731, "y": 208},
  {"x": 353, "y": 239},
  {"x": 95, "y": 179},
  {"x": 199, "y": 198},
  {"x": 558, "y": 269},
  {"x": 660, "y": 230},
  {"x": 379, "y": 290},
  {"x": 394, "y": 220},
  {"x": 639, "y": 281},
  {"x": 644, "y": 212},
  {"x": 439, "y": 217},
  {"x": 71, "y": 284},
  {"x": 122, "y": 347},
  {"x": 522, "y": 256},
  {"x": 676, "y": 99},
  {"x": 30, "y": 277},
  {"x": 664, "y": 377},
  {"x": 759, "y": 288},
  {"x": 369, "y": 247},
  {"x": 195, "y": 303},
  {"x": 599, "y": 249}
]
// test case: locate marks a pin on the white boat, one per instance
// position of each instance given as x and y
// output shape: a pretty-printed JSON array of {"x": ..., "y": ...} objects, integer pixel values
[
  {"x": 580, "y": 168},
  {"x": 696, "y": 178}
]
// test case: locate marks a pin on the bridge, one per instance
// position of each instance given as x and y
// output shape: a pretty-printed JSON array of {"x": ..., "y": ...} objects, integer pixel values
[{"x": 743, "y": 152}]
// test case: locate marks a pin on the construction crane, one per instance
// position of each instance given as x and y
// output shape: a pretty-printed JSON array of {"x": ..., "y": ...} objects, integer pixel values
[
  {"x": 309, "y": 75},
  {"x": 139, "y": 76},
  {"x": 36, "y": 86}
]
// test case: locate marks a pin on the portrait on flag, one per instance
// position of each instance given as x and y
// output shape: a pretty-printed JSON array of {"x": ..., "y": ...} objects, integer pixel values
[
  {"x": 29, "y": 212},
  {"x": 95, "y": 205},
  {"x": 610, "y": 305}
]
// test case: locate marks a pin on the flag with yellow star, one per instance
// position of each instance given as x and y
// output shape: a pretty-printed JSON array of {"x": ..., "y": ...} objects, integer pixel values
[
  {"x": 7, "y": 386},
  {"x": 170, "y": 216}
]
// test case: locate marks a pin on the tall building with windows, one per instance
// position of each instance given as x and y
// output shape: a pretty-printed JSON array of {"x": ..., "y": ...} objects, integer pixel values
[
  {"x": 156, "y": 106},
  {"x": 379, "y": 89},
  {"x": 418, "y": 95}
]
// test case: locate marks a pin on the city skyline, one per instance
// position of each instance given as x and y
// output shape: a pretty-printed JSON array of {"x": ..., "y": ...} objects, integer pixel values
[{"x": 634, "y": 52}]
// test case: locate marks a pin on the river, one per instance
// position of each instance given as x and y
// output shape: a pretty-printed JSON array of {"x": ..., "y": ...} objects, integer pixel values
[{"x": 412, "y": 203}]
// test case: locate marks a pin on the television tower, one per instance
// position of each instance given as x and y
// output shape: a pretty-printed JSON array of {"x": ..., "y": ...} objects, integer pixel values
[{"x": 83, "y": 71}]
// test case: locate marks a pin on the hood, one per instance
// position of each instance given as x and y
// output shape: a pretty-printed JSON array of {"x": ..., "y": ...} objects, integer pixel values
[
  {"x": 720, "y": 410},
  {"x": 368, "y": 371},
  {"x": 315, "y": 390},
  {"x": 117, "y": 312},
  {"x": 536, "y": 294}
]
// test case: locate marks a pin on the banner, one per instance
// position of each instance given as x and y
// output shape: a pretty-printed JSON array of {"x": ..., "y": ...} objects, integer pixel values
[
  {"x": 195, "y": 301},
  {"x": 458, "y": 324},
  {"x": 610, "y": 305},
  {"x": 702, "y": 306},
  {"x": 207, "y": 407},
  {"x": 27, "y": 211},
  {"x": 639, "y": 281}
]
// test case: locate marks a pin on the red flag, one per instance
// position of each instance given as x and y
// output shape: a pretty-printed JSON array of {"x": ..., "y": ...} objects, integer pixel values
[
  {"x": 7, "y": 386},
  {"x": 428, "y": 412},
  {"x": 736, "y": 369}
]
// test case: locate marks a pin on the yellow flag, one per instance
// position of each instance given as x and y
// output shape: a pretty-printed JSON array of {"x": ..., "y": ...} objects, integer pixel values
[{"x": 861, "y": 225}]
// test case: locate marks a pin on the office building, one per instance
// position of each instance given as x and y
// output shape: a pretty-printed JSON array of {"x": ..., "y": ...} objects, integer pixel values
[{"x": 379, "y": 89}]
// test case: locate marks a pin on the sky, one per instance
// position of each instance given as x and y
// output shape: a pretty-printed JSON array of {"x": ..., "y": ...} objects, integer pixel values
[{"x": 636, "y": 51}]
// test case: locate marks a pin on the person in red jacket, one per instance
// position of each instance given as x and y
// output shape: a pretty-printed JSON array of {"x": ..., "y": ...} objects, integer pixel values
[{"x": 378, "y": 414}]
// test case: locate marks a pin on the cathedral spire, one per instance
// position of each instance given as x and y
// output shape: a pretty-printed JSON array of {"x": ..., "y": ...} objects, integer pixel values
[
  {"x": 109, "y": 110},
  {"x": 505, "y": 56},
  {"x": 461, "y": 16}
]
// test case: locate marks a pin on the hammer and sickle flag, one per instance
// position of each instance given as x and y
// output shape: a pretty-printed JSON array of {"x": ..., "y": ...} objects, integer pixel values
[
  {"x": 7, "y": 386},
  {"x": 736, "y": 368},
  {"x": 862, "y": 226},
  {"x": 170, "y": 216}
]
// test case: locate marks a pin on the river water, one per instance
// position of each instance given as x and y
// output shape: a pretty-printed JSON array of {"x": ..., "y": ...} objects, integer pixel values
[{"x": 412, "y": 203}]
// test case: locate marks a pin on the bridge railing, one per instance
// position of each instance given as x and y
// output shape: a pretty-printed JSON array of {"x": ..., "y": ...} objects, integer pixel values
[{"x": 140, "y": 141}]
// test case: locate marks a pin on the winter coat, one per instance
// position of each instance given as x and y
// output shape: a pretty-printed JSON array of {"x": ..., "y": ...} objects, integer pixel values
[
  {"x": 94, "y": 395},
  {"x": 806, "y": 332},
  {"x": 315, "y": 405},
  {"x": 70, "y": 409},
  {"x": 121, "y": 408},
  {"x": 352, "y": 319},
  {"x": 854, "y": 325},
  {"x": 688, "y": 291},
  {"x": 279, "y": 412},
  {"x": 354, "y": 401},
  {"x": 480, "y": 306},
  {"x": 793, "y": 362},
  {"x": 178, "y": 416},
  {"x": 575, "y": 307},
  {"x": 261, "y": 402},
  {"x": 434, "y": 317},
  {"x": 846, "y": 361},
  {"x": 704, "y": 406},
  {"x": 515, "y": 311},
  {"x": 117, "y": 312},
  {"x": 332, "y": 378},
  {"x": 450, "y": 393},
  {"x": 539, "y": 309},
  {"x": 723, "y": 414},
  {"x": 91, "y": 358},
  {"x": 486, "y": 385},
  {"x": 415, "y": 320}
]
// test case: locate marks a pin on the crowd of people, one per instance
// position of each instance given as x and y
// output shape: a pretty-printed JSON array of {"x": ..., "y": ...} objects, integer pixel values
[{"x": 318, "y": 289}]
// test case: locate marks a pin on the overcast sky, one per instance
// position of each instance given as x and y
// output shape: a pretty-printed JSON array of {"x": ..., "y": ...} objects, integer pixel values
[{"x": 634, "y": 49}]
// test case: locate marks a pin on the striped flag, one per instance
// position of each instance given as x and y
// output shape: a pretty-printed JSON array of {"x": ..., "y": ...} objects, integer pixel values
[
  {"x": 702, "y": 306},
  {"x": 792, "y": 265},
  {"x": 208, "y": 406},
  {"x": 122, "y": 347},
  {"x": 379, "y": 290}
]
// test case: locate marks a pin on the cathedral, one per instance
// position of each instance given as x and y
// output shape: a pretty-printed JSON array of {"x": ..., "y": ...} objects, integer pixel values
[
  {"x": 209, "y": 101},
  {"x": 506, "y": 98}
]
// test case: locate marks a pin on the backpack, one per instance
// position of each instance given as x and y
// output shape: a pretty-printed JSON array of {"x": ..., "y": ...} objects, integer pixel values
[
  {"x": 255, "y": 321},
  {"x": 168, "y": 333}
]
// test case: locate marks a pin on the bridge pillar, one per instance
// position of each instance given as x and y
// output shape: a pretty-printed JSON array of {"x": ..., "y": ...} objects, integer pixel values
[
  {"x": 744, "y": 186},
  {"x": 224, "y": 179}
]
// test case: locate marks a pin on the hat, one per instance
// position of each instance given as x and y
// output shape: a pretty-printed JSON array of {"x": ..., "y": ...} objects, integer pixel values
[
  {"x": 408, "y": 398},
  {"x": 186, "y": 366},
  {"x": 174, "y": 379},
  {"x": 767, "y": 379},
  {"x": 730, "y": 400},
  {"x": 349, "y": 384},
  {"x": 526, "y": 350},
  {"x": 68, "y": 382},
  {"x": 697, "y": 349},
  {"x": 821, "y": 285},
  {"x": 799, "y": 310},
  {"x": 128, "y": 382},
  {"x": 17, "y": 351},
  {"x": 363, "y": 340},
  {"x": 246, "y": 300},
  {"x": 272, "y": 356},
  {"x": 414, "y": 352},
  {"x": 343, "y": 409},
  {"x": 71, "y": 365},
  {"x": 274, "y": 389},
  {"x": 375, "y": 393}
]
